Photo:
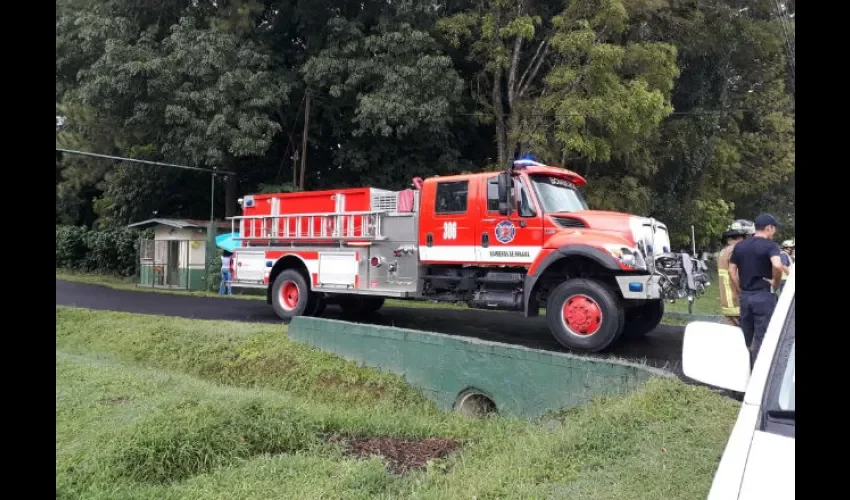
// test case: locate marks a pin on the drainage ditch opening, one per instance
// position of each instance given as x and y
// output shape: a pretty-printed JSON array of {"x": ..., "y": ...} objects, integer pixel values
[{"x": 475, "y": 404}]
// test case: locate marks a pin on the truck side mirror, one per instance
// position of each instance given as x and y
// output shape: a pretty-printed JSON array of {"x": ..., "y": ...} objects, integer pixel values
[{"x": 506, "y": 202}]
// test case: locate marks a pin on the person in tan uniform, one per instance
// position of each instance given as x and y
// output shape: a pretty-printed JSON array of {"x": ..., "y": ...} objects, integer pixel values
[{"x": 729, "y": 301}]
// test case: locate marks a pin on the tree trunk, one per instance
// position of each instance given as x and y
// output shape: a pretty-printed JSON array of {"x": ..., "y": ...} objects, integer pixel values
[
  {"x": 304, "y": 140},
  {"x": 499, "y": 115},
  {"x": 511, "y": 135}
]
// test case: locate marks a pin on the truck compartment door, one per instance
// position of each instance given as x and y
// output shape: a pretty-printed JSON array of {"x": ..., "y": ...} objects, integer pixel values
[
  {"x": 249, "y": 265},
  {"x": 338, "y": 270}
]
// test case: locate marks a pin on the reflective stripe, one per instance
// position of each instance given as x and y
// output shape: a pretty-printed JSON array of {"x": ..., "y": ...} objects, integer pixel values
[{"x": 723, "y": 275}]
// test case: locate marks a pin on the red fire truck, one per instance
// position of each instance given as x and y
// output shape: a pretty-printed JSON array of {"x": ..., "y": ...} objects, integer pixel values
[{"x": 517, "y": 240}]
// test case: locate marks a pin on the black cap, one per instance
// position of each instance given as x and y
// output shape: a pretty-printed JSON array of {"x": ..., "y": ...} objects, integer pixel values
[{"x": 764, "y": 220}]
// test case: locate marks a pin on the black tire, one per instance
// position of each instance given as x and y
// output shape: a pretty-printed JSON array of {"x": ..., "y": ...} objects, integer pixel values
[
  {"x": 288, "y": 303},
  {"x": 596, "y": 309},
  {"x": 356, "y": 305},
  {"x": 643, "y": 319}
]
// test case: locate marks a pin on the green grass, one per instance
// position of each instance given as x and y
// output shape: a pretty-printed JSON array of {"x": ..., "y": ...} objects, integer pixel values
[
  {"x": 708, "y": 304},
  {"x": 166, "y": 408}
]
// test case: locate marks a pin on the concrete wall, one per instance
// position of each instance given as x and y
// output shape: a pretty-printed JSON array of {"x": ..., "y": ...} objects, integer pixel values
[{"x": 520, "y": 381}]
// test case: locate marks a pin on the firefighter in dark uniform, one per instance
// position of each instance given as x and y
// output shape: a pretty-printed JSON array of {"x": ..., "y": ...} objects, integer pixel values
[
  {"x": 755, "y": 270},
  {"x": 729, "y": 302}
]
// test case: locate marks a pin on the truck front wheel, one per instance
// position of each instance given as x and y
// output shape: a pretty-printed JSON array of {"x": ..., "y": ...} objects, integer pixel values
[
  {"x": 291, "y": 296},
  {"x": 643, "y": 319},
  {"x": 584, "y": 315}
]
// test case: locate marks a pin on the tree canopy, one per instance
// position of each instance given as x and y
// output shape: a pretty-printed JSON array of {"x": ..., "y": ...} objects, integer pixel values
[{"x": 678, "y": 109}]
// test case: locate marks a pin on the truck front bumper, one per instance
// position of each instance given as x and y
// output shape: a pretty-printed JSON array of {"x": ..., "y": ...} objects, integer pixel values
[{"x": 640, "y": 286}]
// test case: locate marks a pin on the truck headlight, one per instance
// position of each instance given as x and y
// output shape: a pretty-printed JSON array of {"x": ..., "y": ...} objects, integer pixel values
[{"x": 630, "y": 257}]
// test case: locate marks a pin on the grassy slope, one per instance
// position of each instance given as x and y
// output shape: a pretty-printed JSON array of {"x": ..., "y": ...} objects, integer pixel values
[
  {"x": 166, "y": 408},
  {"x": 707, "y": 304}
]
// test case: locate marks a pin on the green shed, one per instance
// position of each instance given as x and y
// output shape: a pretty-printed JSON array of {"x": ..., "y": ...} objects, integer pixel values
[{"x": 176, "y": 256}]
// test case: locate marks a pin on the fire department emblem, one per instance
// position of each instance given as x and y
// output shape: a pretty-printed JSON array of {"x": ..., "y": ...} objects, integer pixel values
[{"x": 505, "y": 232}]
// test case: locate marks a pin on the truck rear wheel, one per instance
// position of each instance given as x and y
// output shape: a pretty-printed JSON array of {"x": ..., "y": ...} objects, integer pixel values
[
  {"x": 291, "y": 296},
  {"x": 354, "y": 304},
  {"x": 584, "y": 315},
  {"x": 643, "y": 319}
]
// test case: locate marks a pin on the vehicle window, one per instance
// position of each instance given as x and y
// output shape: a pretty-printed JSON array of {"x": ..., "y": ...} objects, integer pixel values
[
  {"x": 779, "y": 404},
  {"x": 493, "y": 194},
  {"x": 524, "y": 206},
  {"x": 526, "y": 209},
  {"x": 452, "y": 197},
  {"x": 557, "y": 195},
  {"x": 787, "y": 391}
]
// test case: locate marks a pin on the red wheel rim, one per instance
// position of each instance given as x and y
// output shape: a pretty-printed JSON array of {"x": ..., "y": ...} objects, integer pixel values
[
  {"x": 582, "y": 315},
  {"x": 289, "y": 295}
]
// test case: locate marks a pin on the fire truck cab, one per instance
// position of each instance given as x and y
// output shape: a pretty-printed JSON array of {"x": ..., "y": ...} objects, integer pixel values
[{"x": 517, "y": 240}]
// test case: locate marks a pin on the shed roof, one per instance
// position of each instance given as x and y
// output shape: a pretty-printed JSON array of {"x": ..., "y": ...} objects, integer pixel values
[{"x": 181, "y": 223}]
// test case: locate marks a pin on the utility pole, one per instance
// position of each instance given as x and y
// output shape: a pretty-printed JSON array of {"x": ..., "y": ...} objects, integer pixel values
[
  {"x": 304, "y": 139},
  {"x": 294, "y": 166}
]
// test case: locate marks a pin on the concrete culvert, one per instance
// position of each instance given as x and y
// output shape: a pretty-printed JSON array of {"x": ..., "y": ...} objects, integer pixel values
[{"x": 475, "y": 403}]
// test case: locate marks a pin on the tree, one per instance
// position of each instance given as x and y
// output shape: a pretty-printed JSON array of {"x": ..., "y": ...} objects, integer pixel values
[
  {"x": 501, "y": 32},
  {"x": 401, "y": 91},
  {"x": 733, "y": 140},
  {"x": 575, "y": 70},
  {"x": 197, "y": 95}
]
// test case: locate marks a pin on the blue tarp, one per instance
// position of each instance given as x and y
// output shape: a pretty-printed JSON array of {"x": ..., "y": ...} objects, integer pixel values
[{"x": 227, "y": 242}]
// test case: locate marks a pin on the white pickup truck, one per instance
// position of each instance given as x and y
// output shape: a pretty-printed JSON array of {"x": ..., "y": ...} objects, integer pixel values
[{"x": 759, "y": 459}]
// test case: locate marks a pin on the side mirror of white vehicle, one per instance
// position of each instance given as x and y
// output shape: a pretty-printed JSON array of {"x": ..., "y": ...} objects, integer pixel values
[{"x": 717, "y": 355}]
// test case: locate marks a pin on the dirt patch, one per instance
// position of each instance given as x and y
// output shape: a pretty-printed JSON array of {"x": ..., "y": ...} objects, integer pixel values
[{"x": 400, "y": 455}]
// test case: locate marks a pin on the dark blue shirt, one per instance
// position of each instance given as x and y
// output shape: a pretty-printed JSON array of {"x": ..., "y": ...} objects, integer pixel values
[{"x": 752, "y": 256}]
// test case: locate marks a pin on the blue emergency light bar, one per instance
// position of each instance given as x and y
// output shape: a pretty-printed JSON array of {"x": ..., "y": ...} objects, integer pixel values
[{"x": 525, "y": 162}]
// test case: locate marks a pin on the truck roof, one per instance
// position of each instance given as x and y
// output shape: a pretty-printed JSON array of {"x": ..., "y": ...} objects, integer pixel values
[{"x": 562, "y": 173}]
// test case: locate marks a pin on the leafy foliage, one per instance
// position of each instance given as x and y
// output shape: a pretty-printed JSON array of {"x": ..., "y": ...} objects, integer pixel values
[
  {"x": 112, "y": 251},
  {"x": 679, "y": 110},
  {"x": 401, "y": 81}
]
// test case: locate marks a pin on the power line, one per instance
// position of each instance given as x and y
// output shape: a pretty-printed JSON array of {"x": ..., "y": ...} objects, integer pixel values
[
  {"x": 788, "y": 36},
  {"x": 213, "y": 171}
]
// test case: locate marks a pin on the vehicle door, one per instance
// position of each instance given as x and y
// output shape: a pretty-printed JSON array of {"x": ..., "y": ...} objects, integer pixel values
[
  {"x": 446, "y": 226},
  {"x": 515, "y": 239},
  {"x": 771, "y": 461}
]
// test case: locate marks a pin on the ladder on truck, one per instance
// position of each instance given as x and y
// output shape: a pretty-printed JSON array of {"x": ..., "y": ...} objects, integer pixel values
[
  {"x": 339, "y": 225},
  {"x": 318, "y": 226}
]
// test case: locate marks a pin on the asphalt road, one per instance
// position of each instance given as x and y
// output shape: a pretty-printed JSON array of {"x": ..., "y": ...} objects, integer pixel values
[{"x": 661, "y": 348}]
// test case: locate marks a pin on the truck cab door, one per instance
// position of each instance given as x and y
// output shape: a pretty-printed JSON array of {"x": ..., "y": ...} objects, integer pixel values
[
  {"x": 515, "y": 239},
  {"x": 447, "y": 222}
]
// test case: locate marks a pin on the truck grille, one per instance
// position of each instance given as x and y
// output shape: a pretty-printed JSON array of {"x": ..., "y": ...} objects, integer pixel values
[{"x": 568, "y": 221}]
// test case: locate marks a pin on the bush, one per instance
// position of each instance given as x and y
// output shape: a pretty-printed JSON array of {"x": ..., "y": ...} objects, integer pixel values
[
  {"x": 112, "y": 251},
  {"x": 213, "y": 269}
]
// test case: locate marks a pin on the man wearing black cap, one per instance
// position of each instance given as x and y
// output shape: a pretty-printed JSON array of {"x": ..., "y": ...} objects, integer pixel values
[{"x": 755, "y": 269}]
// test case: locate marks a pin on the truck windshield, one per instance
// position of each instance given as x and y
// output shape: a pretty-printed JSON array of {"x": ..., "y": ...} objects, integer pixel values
[{"x": 557, "y": 195}]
